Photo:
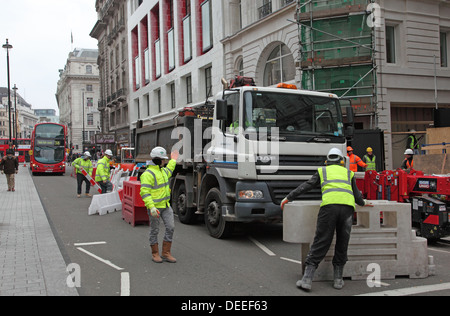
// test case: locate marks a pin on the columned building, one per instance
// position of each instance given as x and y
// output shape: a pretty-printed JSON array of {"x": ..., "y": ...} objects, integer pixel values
[
  {"x": 77, "y": 96},
  {"x": 112, "y": 35}
]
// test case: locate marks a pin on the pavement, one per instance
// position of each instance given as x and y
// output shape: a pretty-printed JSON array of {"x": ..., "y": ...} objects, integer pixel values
[{"x": 31, "y": 263}]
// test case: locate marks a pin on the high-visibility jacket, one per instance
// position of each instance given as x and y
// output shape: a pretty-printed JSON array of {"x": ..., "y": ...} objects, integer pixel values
[
  {"x": 155, "y": 189},
  {"x": 407, "y": 164},
  {"x": 103, "y": 172},
  {"x": 336, "y": 184},
  {"x": 355, "y": 161},
  {"x": 86, "y": 164},
  {"x": 370, "y": 162}
]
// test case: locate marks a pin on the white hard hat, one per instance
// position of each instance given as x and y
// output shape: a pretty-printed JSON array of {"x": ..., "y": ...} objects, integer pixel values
[
  {"x": 409, "y": 152},
  {"x": 108, "y": 152},
  {"x": 87, "y": 154},
  {"x": 159, "y": 152},
  {"x": 335, "y": 155}
]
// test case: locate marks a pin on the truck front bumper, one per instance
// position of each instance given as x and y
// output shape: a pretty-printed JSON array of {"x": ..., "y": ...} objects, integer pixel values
[{"x": 247, "y": 210}]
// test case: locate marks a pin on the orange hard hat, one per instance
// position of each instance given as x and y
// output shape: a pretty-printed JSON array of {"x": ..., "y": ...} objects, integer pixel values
[{"x": 349, "y": 148}]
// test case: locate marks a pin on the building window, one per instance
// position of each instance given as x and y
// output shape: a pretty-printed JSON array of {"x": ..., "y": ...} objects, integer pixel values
[
  {"x": 444, "y": 49},
  {"x": 207, "y": 28},
  {"x": 89, "y": 69},
  {"x": 137, "y": 65},
  {"x": 173, "y": 96},
  {"x": 145, "y": 50},
  {"x": 169, "y": 40},
  {"x": 158, "y": 97},
  {"x": 89, "y": 87},
  {"x": 156, "y": 40},
  {"x": 390, "y": 45},
  {"x": 208, "y": 81},
  {"x": 135, "y": 57},
  {"x": 188, "y": 89},
  {"x": 90, "y": 119},
  {"x": 280, "y": 66},
  {"x": 90, "y": 102},
  {"x": 265, "y": 9},
  {"x": 186, "y": 32}
]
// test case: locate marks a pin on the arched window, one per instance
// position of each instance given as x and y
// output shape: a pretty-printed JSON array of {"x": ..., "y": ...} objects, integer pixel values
[{"x": 280, "y": 66}]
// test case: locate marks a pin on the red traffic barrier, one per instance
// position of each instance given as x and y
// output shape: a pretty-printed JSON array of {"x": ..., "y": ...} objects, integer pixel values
[{"x": 133, "y": 207}]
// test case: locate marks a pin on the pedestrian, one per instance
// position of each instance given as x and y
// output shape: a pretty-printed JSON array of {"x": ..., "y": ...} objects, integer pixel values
[
  {"x": 355, "y": 161},
  {"x": 103, "y": 173},
  {"x": 155, "y": 192},
  {"x": 10, "y": 166},
  {"x": 408, "y": 163},
  {"x": 85, "y": 163},
  {"x": 339, "y": 194},
  {"x": 370, "y": 159}
]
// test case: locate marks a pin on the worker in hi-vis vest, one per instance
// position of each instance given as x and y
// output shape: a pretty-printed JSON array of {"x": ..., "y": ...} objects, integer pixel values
[
  {"x": 155, "y": 192},
  {"x": 370, "y": 160},
  {"x": 339, "y": 194},
  {"x": 85, "y": 163},
  {"x": 103, "y": 173}
]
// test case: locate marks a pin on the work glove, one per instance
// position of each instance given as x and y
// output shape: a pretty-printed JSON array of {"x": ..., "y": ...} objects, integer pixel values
[
  {"x": 154, "y": 212},
  {"x": 283, "y": 203},
  {"x": 367, "y": 203}
]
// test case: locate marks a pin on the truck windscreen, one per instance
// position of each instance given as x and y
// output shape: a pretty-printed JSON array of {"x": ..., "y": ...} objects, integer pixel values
[{"x": 292, "y": 114}]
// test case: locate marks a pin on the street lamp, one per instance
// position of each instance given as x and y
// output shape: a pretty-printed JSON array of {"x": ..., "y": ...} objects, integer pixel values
[
  {"x": 8, "y": 46},
  {"x": 15, "y": 115}
]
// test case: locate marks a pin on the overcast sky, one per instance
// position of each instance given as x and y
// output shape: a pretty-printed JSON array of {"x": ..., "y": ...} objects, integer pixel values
[{"x": 40, "y": 33}]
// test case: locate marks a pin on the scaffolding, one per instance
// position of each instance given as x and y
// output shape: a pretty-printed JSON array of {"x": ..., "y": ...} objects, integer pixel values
[{"x": 337, "y": 52}]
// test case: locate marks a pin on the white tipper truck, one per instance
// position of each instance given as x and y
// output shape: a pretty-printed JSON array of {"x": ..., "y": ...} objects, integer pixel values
[{"x": 243, "y": 153}]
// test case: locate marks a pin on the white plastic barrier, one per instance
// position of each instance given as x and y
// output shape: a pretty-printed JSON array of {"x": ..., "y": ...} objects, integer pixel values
[
  {"x": 105, "y": 203},
  {"x": 387, "y": 240}
]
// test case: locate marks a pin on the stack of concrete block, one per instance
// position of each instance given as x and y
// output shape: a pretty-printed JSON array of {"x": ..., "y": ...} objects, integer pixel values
[{"x": 381, "y": 234}]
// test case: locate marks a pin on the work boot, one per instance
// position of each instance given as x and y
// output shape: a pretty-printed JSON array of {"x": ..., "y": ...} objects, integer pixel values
[
  {"x": 306, "y": 282},
  {"x": 338, "y": 277},
  {"x": 155, "y": 254},
  {"x": 166, "y": 252},
  {"x": 88, "y": 195}
]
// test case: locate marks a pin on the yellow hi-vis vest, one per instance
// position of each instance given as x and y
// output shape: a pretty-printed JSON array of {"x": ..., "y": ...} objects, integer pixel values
[
  {"x": 155, "y": 189},
  {"x": 103, "y": 172},
  {"x": 336, "y": 183}
]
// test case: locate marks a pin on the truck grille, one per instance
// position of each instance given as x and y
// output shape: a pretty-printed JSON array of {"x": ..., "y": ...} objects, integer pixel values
[{"x": 280, "y": 189}]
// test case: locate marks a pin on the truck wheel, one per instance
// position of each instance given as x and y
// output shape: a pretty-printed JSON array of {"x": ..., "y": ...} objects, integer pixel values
[
  {"x": 217, "y": 226},
  {"x": 185, "y": 214}
]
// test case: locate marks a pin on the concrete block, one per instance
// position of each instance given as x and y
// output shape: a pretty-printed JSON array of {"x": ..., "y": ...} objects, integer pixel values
[{"x": 381, "y": 234}]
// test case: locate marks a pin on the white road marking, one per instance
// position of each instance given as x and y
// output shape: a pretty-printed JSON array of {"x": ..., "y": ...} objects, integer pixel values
[
  {"x": 262, "y": 247},
  {"x": 291, "y": 260},
  {"x": 124, "y": 284},
  {"x": 90, "y": 243},
  {"x": 412, "y": 290},
  {"x": 107, "y": 262}
]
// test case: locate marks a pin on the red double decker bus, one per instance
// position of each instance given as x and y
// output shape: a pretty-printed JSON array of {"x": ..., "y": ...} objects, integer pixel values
[
  {"x": 48, "y": 148},
  {"x": 21, "y": 148}
]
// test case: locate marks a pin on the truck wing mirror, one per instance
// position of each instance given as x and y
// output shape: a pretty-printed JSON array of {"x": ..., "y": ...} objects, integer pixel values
[
  {"x": 222, "y": 110},
  {"x": 350, "y": 115}
]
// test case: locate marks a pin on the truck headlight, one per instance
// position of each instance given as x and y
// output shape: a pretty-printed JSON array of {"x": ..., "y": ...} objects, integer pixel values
[{"x": 251, "y": 195}]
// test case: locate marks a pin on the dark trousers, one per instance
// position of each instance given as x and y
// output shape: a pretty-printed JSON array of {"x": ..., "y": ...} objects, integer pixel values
[
  {"x": 333, "y": 217},
  {"x": 80, "y": 179},
  {"x": 105, "y": 186}
]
